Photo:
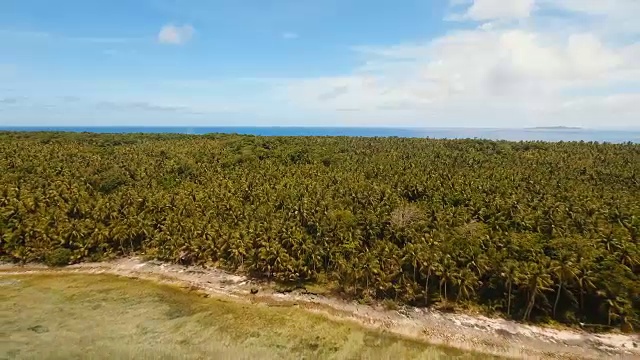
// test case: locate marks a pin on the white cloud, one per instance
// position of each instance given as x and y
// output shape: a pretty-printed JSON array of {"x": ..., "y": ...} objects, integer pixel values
[
  {"x": 516, "y": 63},
  {"x": 487, "y": 26},
  {"x": 290, "y": 35},
  {"x": 499, "y": 9},
  {"x": 522, "y": 66},
  {"x": 506, "y": 77},
  {"x": 175, "y": 35}
]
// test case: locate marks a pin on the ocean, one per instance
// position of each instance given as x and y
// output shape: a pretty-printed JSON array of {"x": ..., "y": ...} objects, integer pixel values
[{"x": 534, "y": 134}]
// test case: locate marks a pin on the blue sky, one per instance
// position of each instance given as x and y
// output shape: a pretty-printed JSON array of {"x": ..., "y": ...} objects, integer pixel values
[{"x": 440, "y": 63}]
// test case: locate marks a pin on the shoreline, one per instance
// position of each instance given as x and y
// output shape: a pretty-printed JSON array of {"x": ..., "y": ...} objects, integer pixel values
[{"x": 475, "y": 333}]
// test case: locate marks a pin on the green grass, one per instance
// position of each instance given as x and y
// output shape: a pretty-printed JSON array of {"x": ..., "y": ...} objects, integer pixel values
[{"x": 109, "y": 317}]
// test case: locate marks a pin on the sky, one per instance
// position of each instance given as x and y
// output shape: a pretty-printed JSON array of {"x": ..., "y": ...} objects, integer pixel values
[{"x": 391, "y": 63}]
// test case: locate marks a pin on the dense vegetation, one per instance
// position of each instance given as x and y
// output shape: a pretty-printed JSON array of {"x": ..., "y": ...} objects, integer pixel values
[{"x": 535, "y": 230}]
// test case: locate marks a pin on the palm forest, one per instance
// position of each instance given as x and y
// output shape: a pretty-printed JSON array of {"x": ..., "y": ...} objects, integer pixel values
[{"x": 533, "y": 231}]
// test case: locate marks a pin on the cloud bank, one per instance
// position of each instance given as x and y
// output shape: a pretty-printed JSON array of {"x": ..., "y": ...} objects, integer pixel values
[{"x": 508, "y": 71}]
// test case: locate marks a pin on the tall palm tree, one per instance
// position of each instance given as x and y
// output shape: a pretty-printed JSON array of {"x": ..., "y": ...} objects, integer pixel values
[
  {"x": 564, "y": 270},
  {"x": 510, "y": 273},
  {"x": 538, "y": 280}
]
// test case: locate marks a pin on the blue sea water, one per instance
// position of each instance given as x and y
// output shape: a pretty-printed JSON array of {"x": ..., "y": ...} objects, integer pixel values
[{"x": 539, "y": 134}]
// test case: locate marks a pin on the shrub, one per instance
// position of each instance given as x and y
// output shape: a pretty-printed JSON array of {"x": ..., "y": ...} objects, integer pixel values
[{"x": 58, "y": 257}]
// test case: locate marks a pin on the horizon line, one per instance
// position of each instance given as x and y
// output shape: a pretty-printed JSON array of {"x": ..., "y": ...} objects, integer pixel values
[{"x": 551, "y": 127}]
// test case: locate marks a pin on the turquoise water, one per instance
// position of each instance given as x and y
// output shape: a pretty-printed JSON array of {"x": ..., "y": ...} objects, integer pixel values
[{"x": 613, "y": 136}]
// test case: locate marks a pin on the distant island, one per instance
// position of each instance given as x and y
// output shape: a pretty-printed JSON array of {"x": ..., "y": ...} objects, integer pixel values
[{"x": 555, "y": 128}]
